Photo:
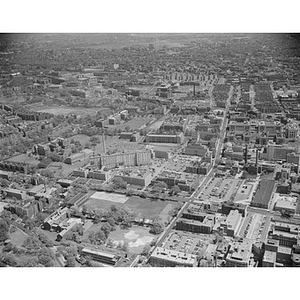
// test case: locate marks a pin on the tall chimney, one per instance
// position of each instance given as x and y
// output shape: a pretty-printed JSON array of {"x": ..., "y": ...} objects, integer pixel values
[
  {"x": 103, "y": 141},
  {"x": 256, "y": 159},
  {"x": 246, "y": 154},
  {"x": 198, "y": 137}
]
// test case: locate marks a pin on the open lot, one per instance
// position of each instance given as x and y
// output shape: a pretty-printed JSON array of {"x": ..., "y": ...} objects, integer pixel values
[
  {"x": 220, "y": 189},
  {"x": 141, "y": 206}
]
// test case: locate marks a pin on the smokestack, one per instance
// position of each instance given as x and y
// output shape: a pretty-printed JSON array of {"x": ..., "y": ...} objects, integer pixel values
[
  {"x": 246, "y": 154},
  {"x": 198, "y": 137},
  {"x": 103, "y": 140},
  {"x": 194, "y": 90},
  {"x": 256, "y": 159}
]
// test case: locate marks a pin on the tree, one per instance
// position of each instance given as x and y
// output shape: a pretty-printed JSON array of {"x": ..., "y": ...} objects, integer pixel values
[
  {"x": 45, "y": 257},
  {"x": 111, "y": 221},
  {"x": 4, "y": 182},
  {"x": 245, "y": 174},
  {"x": 120, "y": 183},
  {"x": 4, "y": 227},
  {"x": 161, "y": 184},
  {"x": 106, "y": 229},
  {"x": 71, "y": 262},
  {"x": 146, "y": 250},
  {"x": 9, "y": 259},
  {"x": 47, "y": 173},
  {"x": 88, "y": 145},
  {"x": 31, "y": 243},
  {"x": 124, "y": 247},
  {"x": 55, "y": 157},
  {"x": 175, "y": 189},
  {"x": 78, "y": 229},
  {"x": 157, "y": 228},
  {"x": 109, "y": 243},
  {"x": 100, "y": 236},
  {"x": 31, "y": 262}
]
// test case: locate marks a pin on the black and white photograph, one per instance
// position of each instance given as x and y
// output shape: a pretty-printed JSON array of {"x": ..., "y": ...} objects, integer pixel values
[{"x": 123, "y": 148}]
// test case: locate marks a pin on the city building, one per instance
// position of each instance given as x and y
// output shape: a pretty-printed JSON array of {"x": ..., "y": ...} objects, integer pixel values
[
  {"x": 161, "y": 257},
  {"x": 52, "y": 222},
  {"x": 66, "y": 227},
  {"x": 139, "y": 176},
  {"x": 204, "y": 226},
  {"x": 101, "y": 256},
  {"x": 285, "y": 203},
  {"x": 196, "y": 148},
  {"x": 135, "y": 158},
  {"x": 84, "y": 155},
  {"x": 15, "y": 193},
  {"x": 232, "y": 223},
  {"x": 264, "y": 194},
  {"x": 240, "y": 255},
  {"x": 287, "y": 234},
  {"x": 78, "y": 200},
  {"x": 164, "y": 138}
]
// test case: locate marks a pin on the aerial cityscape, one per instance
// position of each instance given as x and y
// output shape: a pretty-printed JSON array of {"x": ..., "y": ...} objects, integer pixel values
[{"x": 150, "y": 150}]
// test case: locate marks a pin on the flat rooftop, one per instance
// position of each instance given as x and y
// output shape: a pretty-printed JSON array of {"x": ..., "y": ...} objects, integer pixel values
[
  {"x": 269, "y": 256},
  {"x": 186, "y": 242},
  {"x": 174, "y": 256},
  {"x": 264, "y": 192}
]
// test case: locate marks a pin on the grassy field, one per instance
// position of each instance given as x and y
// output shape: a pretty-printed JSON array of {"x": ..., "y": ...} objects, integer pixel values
[
  {"x": 62, "y": 110},
  {"x": 64, "y": 170},
  {"x": 111, "y": 142},
  {"x": 24, "y": 158},
  {"x": 82, "y": 138},
  {"x": 18, "y": 236},
  {"x": 133, "y": 124},
  {"x": 136, "y": 238},
  {"x": 141, "y": 206}
]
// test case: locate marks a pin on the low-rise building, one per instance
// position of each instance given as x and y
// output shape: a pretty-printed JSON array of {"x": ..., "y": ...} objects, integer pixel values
[
  {"x": 66, "y": 227},
  {"x": 240, "y": 255},
  {"x": 140, "y": 177},
  {"x": 84, "y": 155},
  {"x": 52, "y": 222},
  {"x": 15, "y": 193},
  {"x": 264, "y": 194},
  {"x": 205, "y": 226},
  {"x": 232, "y": 223},
  {"x": 78, "y": 200},
  {"x": 100, "y": 256},
  {"x": 196, "y": 148},
  {"x": 285, "y": 203}
]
